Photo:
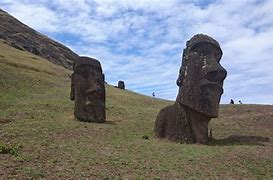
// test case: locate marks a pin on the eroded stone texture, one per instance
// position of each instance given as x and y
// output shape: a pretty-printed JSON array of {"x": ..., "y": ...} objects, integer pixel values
[
  {"x": 200, "y": 84},
  {"x": 171, "y": 124},
  {"x": 121, "y": 85},
  {"x": 88, "y": 90}
]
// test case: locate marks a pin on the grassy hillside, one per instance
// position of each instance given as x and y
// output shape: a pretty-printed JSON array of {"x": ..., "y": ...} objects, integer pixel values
[{"x": 40, "y": 138}]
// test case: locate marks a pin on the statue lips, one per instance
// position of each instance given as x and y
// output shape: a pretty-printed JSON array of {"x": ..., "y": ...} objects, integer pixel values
[
  {"x": 210, "y": 96},
  {"x": 93, "y": 96},
  {"x": 88, "y": 103},
  {"x": 215, "y": 78},
  {"x": 214, "y": 86}
]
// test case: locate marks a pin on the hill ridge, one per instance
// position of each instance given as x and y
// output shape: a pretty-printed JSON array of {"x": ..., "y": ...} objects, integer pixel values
[{"x": 23, "y": 37}]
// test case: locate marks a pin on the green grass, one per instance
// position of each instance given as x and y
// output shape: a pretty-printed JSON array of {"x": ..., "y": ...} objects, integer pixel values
[
  {"x": 37, "y": 114},
  {"x": 8, "y": 149}
]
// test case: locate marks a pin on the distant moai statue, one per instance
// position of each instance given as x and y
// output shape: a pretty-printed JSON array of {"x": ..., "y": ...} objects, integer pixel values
[
  {"x": 121, "y": 85},
  {"x": 231, "y": 101},
  {"x": 153, "y": 94},
  {"x": 200, "y": 84},
  {"x": 88, "y": 90},
  {"x": 240, "y": 102}
]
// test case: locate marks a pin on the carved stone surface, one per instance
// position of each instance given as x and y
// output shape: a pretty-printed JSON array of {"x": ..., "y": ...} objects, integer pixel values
[
  {"x": 72, "y": 91},
  {"x": 171, "y": 124},
  {"x": 200, "y": 84},
  {"x": 121, "y": 85},
  {"x": 88, "y": 90}
]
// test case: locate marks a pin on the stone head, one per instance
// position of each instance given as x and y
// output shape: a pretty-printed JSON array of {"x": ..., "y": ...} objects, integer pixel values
[
  {"x": 201, "y": 76},
  {"x": 121, "y": 85},
  {"x": 89, "y": 90}
]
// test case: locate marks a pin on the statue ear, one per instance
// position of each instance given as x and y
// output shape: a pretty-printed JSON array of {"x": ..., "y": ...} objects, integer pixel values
[
  {"x": 72, "y": 95},
  {"x": 72, "y": 91}
]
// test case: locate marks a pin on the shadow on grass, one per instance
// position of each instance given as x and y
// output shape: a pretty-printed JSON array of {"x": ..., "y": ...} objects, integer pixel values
[
  {"x": 87, "y": 122},
  {"x": 240, "y": 140},
  {"x": 110, "y": 122}
]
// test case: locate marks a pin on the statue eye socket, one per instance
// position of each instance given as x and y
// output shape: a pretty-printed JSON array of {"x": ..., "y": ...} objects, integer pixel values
[
  {"x": 200, "y": 50},
  {"x": 82, "y": 72}
]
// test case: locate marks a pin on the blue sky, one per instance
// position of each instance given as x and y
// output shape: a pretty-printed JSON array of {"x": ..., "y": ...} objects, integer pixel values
[{"x": 141, "y": 41}]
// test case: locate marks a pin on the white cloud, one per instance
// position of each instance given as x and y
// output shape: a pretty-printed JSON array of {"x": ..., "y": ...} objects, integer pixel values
[
  {"x": 140, "y": 41},
  {"x": 36, "y": 16}
]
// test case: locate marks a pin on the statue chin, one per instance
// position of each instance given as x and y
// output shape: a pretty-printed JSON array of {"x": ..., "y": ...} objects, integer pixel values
[
  {"x": 213, "y": 113},
  {"x": 209, "y": 101},
  {"x": 205, "y": 102}
]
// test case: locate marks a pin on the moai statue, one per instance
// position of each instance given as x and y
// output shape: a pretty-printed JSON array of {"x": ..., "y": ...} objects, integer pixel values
[
  {"x": 88, "y": 90},
  {"x": 121, "y": 85},
  {"x": 200, "y": 84}
]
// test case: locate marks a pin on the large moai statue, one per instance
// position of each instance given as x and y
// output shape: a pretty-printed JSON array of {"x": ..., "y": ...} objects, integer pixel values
[
  {"x": 88, "y": 90},
  {"x": 200, "y": 84}
]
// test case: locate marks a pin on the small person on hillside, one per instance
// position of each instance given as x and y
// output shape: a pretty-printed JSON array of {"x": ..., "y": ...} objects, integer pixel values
[
  {"x": 153, "y": 94},
  {"x": 231, "y": 101},
  {"x": 240, "y": 102}
]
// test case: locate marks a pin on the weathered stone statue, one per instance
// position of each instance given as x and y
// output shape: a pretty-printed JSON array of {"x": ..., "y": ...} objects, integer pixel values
[
  {"x": 88, "y": 90},
  {"x": 200, "y": 84},
  {"x": 121, "y": 85}
]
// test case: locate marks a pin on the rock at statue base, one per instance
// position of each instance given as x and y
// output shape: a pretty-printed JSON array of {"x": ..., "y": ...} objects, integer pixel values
[{"x": 171, "y": 123}]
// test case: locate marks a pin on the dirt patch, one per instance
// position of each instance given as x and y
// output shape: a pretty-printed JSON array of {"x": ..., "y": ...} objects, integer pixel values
[
  {"x": 4, "y": 121},
  {"x": 10, "y": 167},
  {"x": 12, "y": 117}
]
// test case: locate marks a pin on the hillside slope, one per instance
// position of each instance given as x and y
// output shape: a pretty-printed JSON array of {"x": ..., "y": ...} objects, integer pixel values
[
  {"x": 25, "y": 38},
  {"x": 37, "y": 123}
]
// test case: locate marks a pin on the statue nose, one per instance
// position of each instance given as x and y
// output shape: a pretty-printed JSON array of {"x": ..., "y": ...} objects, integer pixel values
[{"x": 216, "y": 75}]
